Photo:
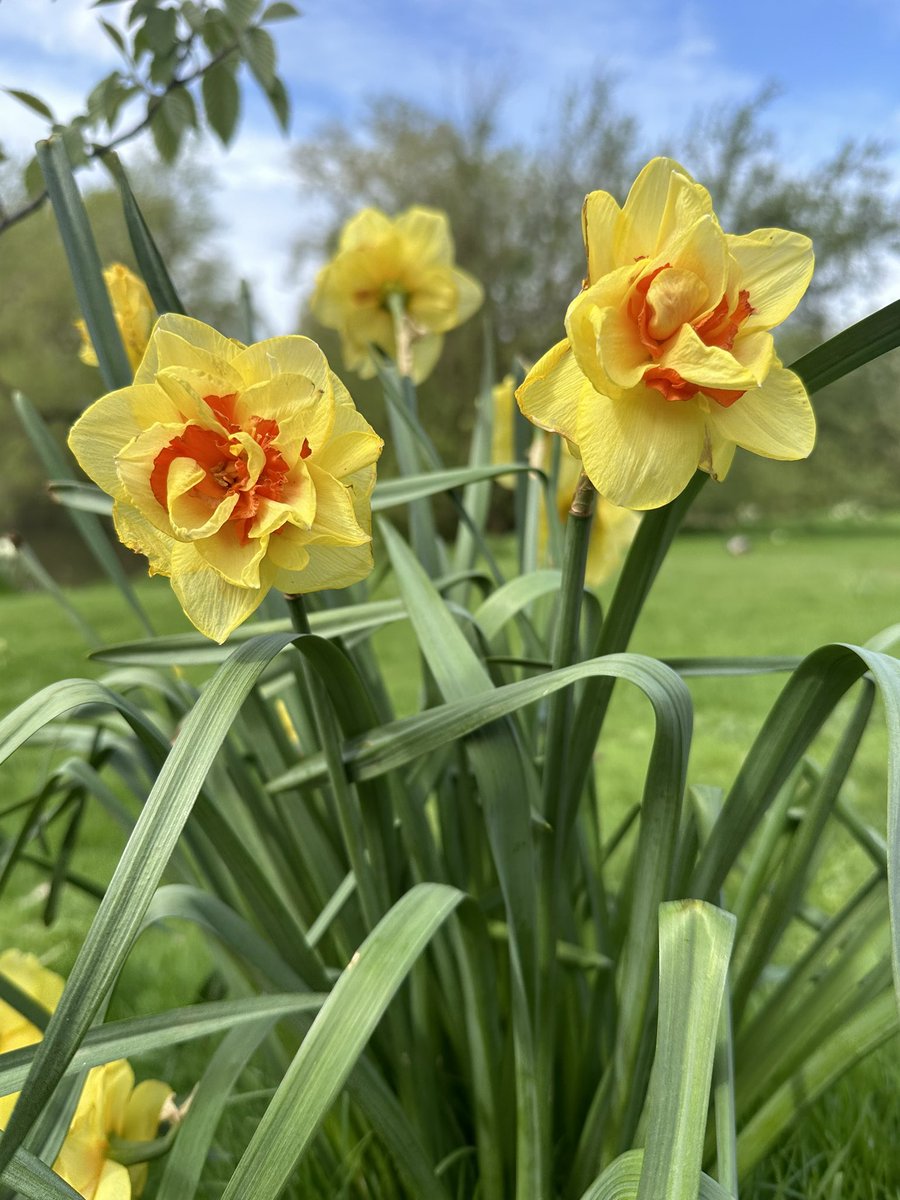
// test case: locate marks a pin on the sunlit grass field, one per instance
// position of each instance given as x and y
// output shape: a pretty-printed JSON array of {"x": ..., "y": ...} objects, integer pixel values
[{"x": 789, "y": 593}]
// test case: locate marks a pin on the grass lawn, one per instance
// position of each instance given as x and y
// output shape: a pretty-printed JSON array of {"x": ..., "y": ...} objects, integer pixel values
[{"x": 789, "y": 594}]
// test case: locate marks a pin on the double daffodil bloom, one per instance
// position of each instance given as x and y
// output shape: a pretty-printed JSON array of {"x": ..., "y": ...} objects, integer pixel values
[
  {"x": 134, "y": 313},
  {"x": 110, "y": 1107},
  {"x": 668, "y": 363},
  {"x": 16, "y": 1031},
  {"x": 409, "y": 256},
  {"x": 613, "y": 527},
  {"x": 234, "y": 469}
]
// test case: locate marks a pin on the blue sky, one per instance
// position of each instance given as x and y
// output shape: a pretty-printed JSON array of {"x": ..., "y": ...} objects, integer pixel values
[{"x": 835, "y": 61}]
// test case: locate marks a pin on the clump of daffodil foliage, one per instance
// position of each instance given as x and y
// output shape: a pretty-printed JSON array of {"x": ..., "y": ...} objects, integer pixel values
[{"x": 459, "y": 965}]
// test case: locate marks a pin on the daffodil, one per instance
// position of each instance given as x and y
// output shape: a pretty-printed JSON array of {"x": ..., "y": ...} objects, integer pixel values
[
  {"x": 411, "y": 257},
  {"x": 16, "y": 1031},
  {"x": 110, "y": 1107},
  {"x": 613, "y": 527},
  {"x": 134, "y": 313},
  {"x": 668, "y": 363},
  {"x": 234, "y": 469}
]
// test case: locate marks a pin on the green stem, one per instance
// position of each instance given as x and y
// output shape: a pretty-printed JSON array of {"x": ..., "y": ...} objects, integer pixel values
[
  {"x": 349, "y": 818},
  {"x": 555, "y": 797}
]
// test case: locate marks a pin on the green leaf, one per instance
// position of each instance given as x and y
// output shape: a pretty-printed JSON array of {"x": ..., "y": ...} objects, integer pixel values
[
  {"x": 621, "y": 1178},
  {"x": 89, "y": 526},
  {"x": 280, "y": 11},
  {"x": 280, "y": 102},
  {"x": 33, "y": 1179},
  {"x": 392, "y": 492},
  {"x": 241, "y": 12},
  {"x": 142, "y": 863},
  {"x": 337, "y": 1038},
  {"x": 221, "y": 100},
  {"x": 160, "y": 30},
  {"x": 153, "y": 268},
  {"x": 115, "y": 36},
  {"x": 33, "y": 102},
  {"x": 695, "y": 943},
  {"x": 868, "y": 339},
  {"x": 85, "y": 497},
  {"x": 259, "y": 51},
  {"x": 142, "y": 1035},
  {"x": 84, "y": 263}
]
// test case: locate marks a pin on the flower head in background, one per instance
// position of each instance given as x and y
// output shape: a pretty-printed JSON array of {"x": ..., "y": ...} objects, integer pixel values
[
  {"x": 134, "y": 313},
  {"x": 410, "y": 256},
  {"x": 613, "y": 527},
  {"x": 110, "y": 1107},
  {"x": 234, "y": 469},
  {"x": 668, "y": 363}
]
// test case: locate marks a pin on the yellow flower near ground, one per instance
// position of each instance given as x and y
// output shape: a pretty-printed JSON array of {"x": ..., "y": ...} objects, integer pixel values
[
  {"x": 234, "y": 469},
  {"x": 412, "y": 256},
  {"x": 134, "y": 313},
  {"x": 668, "y": 363},
  {"x": 110, "y": 1106},
  {"x": 613, "y": 527},
  {"x": 43, "y": 986}
]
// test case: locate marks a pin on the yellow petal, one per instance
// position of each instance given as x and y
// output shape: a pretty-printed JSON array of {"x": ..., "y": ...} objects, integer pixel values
[
  {"x": 705, "y": 366},
  {"x": 469, "y": 295},
  {"x": 425, "y": 353},
  {"x": 211, "y": 604},
  {"x": 756, "y": 352},
  {"x": 143, "y": 537},
  {"x": 606, "y": 344},
  {"x": 426, "y": 231},
  {"x": 178, "y": 341},
  {"x": 301, "y": 409},
  {"x": 335, "y": 522},
  {"x": 775, "y": 268},
  {"x": 549, "y": 395},
  {"x": 294, "y": 355},
  {"x": 674, "y": 297},
  {"x": 611, "y": 534},
  {"x": 639, "y": 451},
  {"x": 775, "y": 420},
  {"x": 237, "y": 561},
  {"x": 348, "y": 452},
  {"x": 186, "y": 390},
  {"x": 366, "y": 227},
  {"x": 328, "y": 567},
  {"x": 135, "y": 465},
  {"x": 288, "y": 550},
  {"x": 663, "y": 201},
  {"x": 102, "y": 431},
  {"x": 193, "y": 517},
  {"x": 115, "y": 1182},
  {"x": 141, "y": 1116},
  {"x": 718, "y": 451},
  {"x": 599, "y": 216}
]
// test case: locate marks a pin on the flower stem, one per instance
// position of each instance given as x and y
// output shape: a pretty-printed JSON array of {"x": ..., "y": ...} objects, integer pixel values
[{"x": 565, "y": 651}]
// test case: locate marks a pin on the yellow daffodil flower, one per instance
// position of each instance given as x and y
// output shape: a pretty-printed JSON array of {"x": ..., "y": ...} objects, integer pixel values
[
  {"x": 377, "y": 257},
  {"x": 110, "y": 1106},
  {"x": 234, "y": 469},
  {"x": 16, "y": 1031},
  {"x": 134, "y": 313},
  {"x": 613, "y": 527},
  {"x": 668, "y": 363}
]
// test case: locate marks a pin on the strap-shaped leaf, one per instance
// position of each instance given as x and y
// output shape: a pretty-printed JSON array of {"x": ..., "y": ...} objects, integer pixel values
[{"x": 336, "y": 1039}]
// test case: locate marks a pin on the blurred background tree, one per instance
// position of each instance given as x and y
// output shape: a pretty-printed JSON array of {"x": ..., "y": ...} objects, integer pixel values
[{"x": 513, "y": 210}]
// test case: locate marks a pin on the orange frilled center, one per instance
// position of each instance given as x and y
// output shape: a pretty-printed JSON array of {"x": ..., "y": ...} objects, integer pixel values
[
  {"x": 223, "y": 460},
  {"x": 719, "y": 327}
]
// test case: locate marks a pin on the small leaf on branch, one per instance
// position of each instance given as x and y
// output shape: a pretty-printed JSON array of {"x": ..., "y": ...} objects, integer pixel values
[
  {"x": 259, "y": 50},
  {"x": 222, "y": 101},
  {"x": 241, "y": 12},
  {"x": 281, "y": 11},
  {"x": 31, "y": 101},
  {"x": 281, "y": 103}
]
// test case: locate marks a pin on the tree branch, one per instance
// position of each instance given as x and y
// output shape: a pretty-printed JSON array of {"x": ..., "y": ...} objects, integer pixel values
[{"x": 98, "y": 150}]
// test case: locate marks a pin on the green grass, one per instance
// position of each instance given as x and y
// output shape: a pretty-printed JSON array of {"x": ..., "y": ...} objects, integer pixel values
[{"x": 791, "y": 593}]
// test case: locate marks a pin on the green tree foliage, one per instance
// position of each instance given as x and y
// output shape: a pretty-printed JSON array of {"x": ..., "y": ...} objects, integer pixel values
[
  {"x": 38, "y": 341},
  {"x": 513, "y": 209},
  {"x": 179, "y": 74}
]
